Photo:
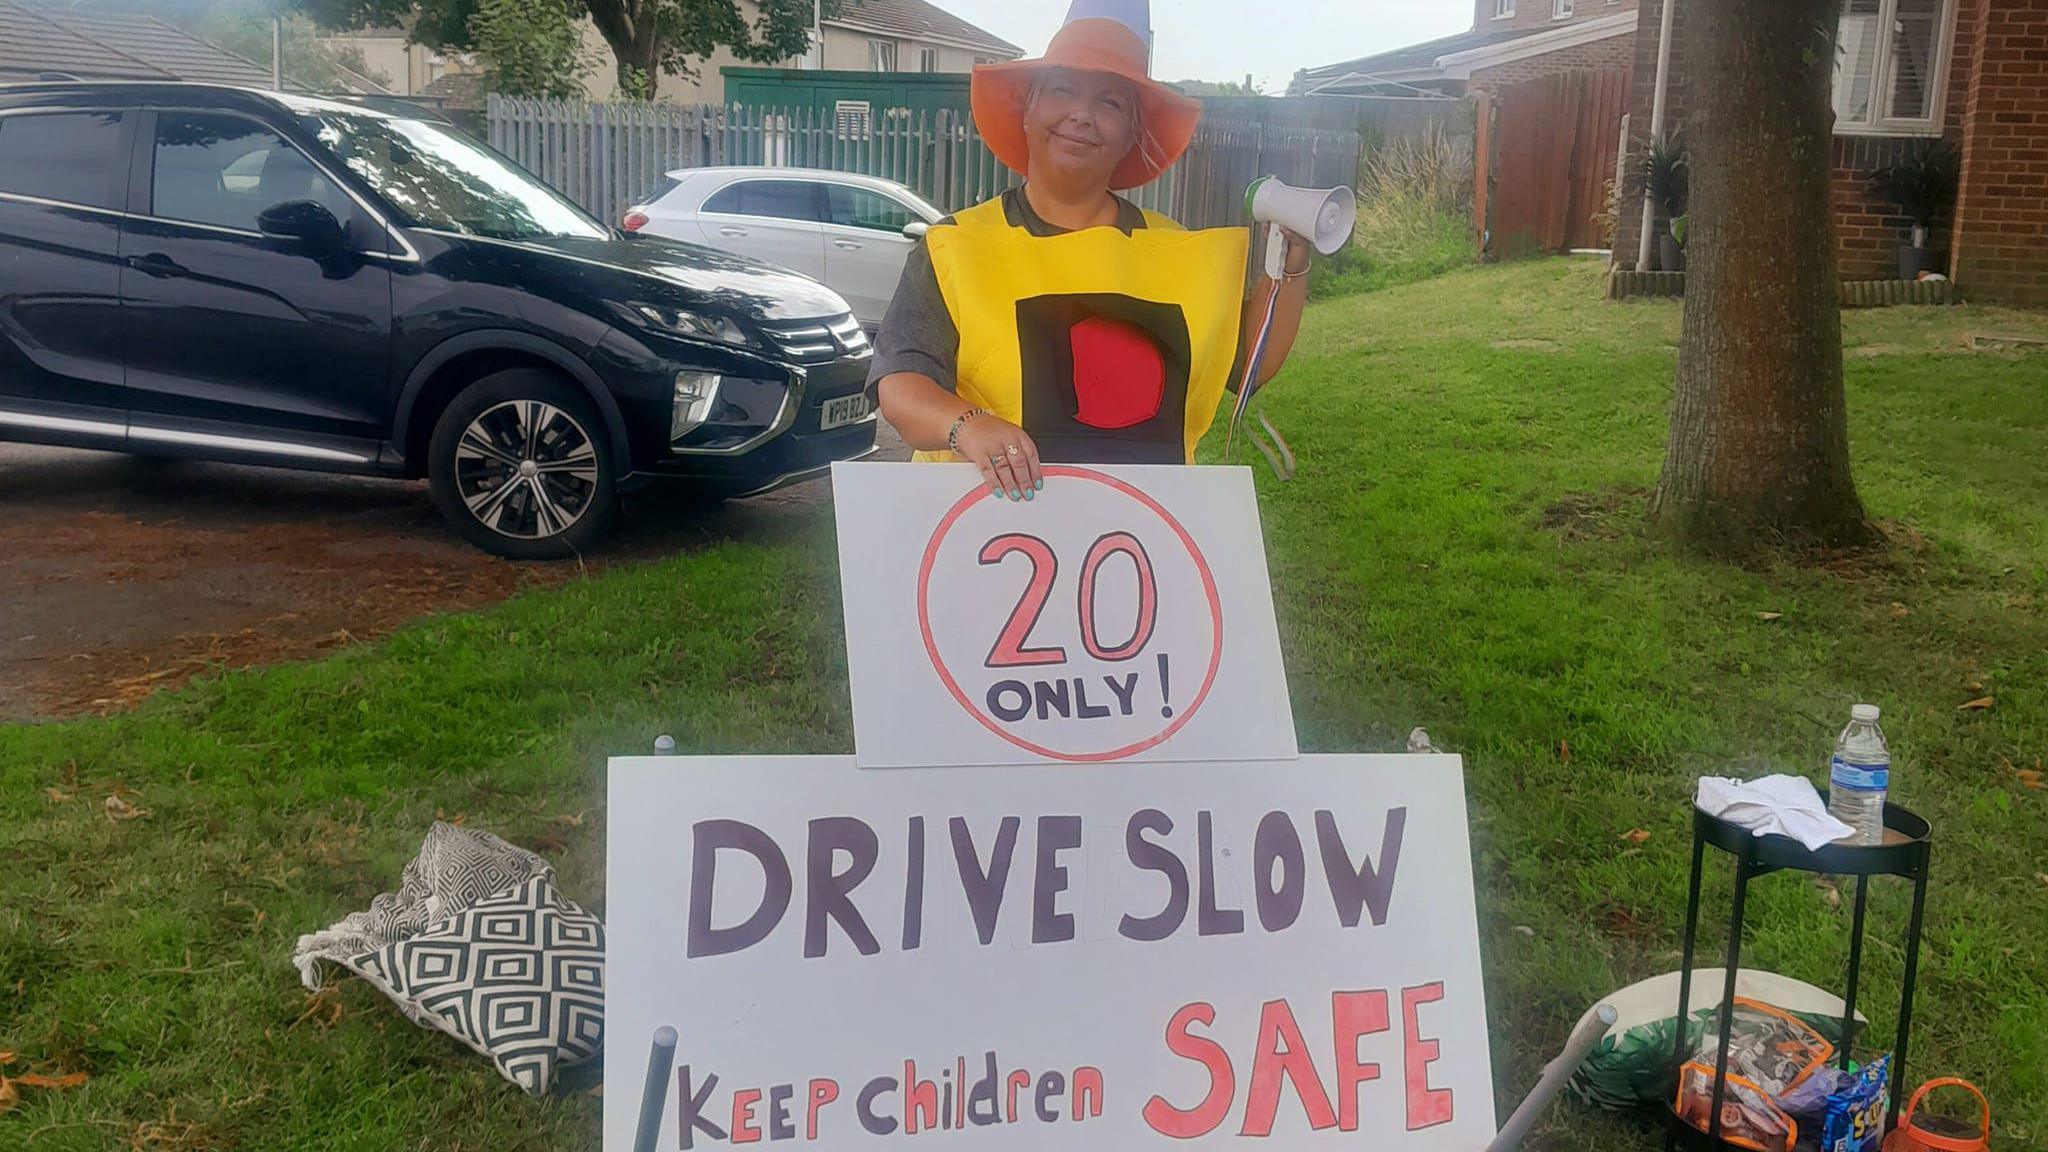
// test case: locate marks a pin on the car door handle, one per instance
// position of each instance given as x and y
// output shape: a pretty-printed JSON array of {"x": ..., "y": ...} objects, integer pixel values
[
  {"x": 847, "y": 245},
  {"x": 729, "y": 230},
  {"x": 155, "y": 264}
]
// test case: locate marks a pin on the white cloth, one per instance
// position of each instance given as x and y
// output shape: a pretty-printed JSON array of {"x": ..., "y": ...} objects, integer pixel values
[{"x": 1775, "y": 805}]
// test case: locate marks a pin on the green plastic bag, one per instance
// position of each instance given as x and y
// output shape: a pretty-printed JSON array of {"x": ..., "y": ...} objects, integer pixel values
[{"x": 1631, "y": 1067}]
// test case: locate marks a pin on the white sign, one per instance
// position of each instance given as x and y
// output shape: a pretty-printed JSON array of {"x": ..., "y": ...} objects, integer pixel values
[
  {"x": 1097, "y": 957},
  {"x": 1123, "y": 614}
]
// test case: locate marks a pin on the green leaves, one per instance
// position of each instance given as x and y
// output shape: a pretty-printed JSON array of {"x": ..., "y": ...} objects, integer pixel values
[{"x": 533, "y": 48}]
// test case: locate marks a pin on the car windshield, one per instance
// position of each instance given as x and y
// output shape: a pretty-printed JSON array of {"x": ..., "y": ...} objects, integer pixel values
[{"x": 439, "y": 178}]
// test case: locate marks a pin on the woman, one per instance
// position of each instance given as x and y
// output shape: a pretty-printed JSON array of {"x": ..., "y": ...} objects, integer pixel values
[{"x": 1060, "y": 322}]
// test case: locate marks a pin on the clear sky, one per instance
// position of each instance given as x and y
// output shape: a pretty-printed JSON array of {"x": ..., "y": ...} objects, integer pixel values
[{"x": 1224, "y": 39}]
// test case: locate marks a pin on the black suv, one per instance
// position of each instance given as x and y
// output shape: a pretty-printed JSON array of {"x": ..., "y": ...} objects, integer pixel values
[{"x": 201, "y": 271}]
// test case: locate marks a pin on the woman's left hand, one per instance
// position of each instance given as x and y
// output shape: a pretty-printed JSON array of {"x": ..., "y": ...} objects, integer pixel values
[{"x": 1299, "y": 251}]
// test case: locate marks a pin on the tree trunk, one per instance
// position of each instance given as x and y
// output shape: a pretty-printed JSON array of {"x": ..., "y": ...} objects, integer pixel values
[
  {"x": 1759, "y": 448},
  {"x": 629, "y": 29}
]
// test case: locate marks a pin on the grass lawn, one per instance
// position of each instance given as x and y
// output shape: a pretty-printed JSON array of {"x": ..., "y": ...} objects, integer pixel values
[{"x": 1463, "y": 549}]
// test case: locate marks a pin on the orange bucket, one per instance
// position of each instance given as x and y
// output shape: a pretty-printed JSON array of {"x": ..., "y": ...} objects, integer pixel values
[{"x": 1939, "y": 1134}]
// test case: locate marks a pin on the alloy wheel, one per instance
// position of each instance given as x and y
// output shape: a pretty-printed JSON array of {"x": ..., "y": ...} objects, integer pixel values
[{"x": 526, "y": 469}]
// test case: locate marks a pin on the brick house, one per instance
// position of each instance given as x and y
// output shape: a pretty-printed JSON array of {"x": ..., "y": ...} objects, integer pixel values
[
  {"x": 1974, "y": 72},
  {"x": 1510, "y": 41}
]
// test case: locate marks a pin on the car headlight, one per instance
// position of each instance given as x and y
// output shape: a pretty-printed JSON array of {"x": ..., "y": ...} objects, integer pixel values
[
  {"x": 696, "y": 395},
  {"x": 712, "y": 326}
]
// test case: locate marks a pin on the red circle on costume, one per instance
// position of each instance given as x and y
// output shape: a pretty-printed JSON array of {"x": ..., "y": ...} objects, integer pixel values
[
  {"x": 1119, "y": 376},
  {"x": 1181, "y": 716}
]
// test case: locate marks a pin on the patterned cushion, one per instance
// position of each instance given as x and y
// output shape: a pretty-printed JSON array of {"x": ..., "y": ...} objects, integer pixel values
[{"x": 517, "y": 975}]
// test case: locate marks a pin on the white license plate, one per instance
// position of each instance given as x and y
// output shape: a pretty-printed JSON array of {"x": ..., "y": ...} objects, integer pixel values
[{"x": 844, "y": 410}]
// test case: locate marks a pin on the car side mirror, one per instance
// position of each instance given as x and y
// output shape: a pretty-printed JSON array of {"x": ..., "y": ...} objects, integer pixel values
[
  {"x": 307, "y": 224},
  {"x": 915, "y": 230}
]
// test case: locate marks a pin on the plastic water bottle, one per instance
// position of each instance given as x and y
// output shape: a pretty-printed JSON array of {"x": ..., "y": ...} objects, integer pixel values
[{"x": 1858, "y": 776}]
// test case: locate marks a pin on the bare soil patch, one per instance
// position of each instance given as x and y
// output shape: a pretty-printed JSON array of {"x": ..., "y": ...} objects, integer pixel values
[{"x": 121, "y": 576}]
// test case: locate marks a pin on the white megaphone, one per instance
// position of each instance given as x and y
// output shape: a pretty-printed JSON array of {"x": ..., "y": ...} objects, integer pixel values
[{"x": 1324, "y": 216}]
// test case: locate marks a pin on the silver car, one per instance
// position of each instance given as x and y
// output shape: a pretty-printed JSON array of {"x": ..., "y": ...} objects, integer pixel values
[{"x": 848, "y": 231}]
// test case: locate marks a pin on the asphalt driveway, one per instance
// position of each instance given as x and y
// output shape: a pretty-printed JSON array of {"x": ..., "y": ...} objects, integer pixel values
[{"x": 122, "y": 575}]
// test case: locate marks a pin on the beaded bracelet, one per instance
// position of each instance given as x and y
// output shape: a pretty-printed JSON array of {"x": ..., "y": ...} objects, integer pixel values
[{"x": 953, "y": 433}]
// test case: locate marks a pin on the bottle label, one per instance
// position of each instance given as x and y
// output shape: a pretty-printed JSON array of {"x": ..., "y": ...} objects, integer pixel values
[{"x": 1859, "y": 777}]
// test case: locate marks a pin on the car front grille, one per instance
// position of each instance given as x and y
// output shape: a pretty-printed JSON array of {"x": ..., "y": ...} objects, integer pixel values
[{"x": 819, "y": 341}]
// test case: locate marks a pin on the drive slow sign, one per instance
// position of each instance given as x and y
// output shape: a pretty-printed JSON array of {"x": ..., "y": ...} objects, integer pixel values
[
  {"x": 1093, "y": 956},
  {"x": 1099, "y": 622}
]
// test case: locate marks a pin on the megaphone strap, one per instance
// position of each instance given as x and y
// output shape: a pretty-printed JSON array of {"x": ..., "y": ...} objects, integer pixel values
[{"x": 1254, "y": 355}]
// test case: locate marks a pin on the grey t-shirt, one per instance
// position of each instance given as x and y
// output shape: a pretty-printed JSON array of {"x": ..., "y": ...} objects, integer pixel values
[{"x": 918, "y": 334}]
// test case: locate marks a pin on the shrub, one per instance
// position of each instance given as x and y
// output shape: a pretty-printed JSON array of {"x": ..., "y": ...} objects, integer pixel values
[{"x": 1414, "y": 217}]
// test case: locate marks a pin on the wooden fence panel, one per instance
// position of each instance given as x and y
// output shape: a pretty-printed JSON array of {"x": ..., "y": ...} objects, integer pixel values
[
  {"x": 1599, "y": 149},
  {"x": 1554, "y": 145}
]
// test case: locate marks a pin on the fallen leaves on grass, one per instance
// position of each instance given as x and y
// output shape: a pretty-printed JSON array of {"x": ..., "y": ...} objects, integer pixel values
[
  {"x": 1900, "y": 611},
  {"x": 1980, "y": 704},
  {"x": 2031, "y": 777},
  {"x": 1767, "y": 617},
  {"x": 120, "y": 809},
  {"x": 57, "y": 795},
  {"x": 1564, "y": 751},
  {"x": 323, "y": 1008},
  {"x": 170, "y": 1134},
  {"x": 2042, "y": 877},
  {"x": 10, "y": 1089},
  {"x": 1636, "y": 835},
  {"x": 53, "y": 1083},
  {"x": 572, "y": 820},
  {"x": 1832, "y": 894}
]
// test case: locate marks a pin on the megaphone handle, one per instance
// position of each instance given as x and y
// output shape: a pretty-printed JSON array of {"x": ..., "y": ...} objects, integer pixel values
[{"x": 1276, "y": 252}]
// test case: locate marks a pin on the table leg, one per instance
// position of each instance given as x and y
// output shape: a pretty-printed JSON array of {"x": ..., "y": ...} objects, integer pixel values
[
  {"x": 1906, "y": 996},
  {"x": 1692, "y": 922},
  {"x": 1855, "y": 967},
  {"x": 1728, "y": 997}
]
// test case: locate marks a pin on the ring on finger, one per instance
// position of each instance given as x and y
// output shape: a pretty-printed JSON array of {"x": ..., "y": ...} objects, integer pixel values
[{"x": 1014, "y": 450}]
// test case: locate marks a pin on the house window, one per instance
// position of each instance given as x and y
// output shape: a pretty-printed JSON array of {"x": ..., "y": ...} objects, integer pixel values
[
  {"x": 1561, "y": 10},
  {"x": 1502, "y": 9},
  {"x": 980, "y": 60},
  {"x": 927, "y": 59},
  {"x": 881, "y": 55},
  {"x": 1891, "y": 66}
]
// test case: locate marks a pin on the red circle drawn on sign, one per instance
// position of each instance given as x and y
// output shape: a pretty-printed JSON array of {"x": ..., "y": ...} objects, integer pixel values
[{"x": 924, "y": 623}]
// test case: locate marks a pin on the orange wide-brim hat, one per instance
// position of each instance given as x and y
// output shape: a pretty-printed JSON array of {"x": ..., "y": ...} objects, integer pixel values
[{"x": 1167, "y": 118}]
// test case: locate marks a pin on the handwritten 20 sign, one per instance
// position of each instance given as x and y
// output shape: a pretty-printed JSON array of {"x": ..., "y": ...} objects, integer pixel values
[
  {"x": 1124, "y": 615},
  {"x": 1098, "y": 644}
]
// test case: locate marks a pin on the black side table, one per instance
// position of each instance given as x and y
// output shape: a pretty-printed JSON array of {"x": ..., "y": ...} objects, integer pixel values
[{"x": 1903, "y": 852}]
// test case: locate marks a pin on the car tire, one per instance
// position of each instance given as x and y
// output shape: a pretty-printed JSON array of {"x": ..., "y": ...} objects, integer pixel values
[{"x": 520, "y": 464}]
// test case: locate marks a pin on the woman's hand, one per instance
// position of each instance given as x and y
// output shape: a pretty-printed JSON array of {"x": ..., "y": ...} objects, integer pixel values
[
  {"x": 1005, "y": 454},
  {"x": 1299, "y": 252}
]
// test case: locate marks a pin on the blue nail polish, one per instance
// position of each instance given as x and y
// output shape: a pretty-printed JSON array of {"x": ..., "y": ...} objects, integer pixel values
[
  {"x": 1031, "y": 494},
  {"x": 1041, "y": 485}
]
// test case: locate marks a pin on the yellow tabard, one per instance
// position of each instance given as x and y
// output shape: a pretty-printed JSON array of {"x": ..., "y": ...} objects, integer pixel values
[{"x": 1041, "y": 317}]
